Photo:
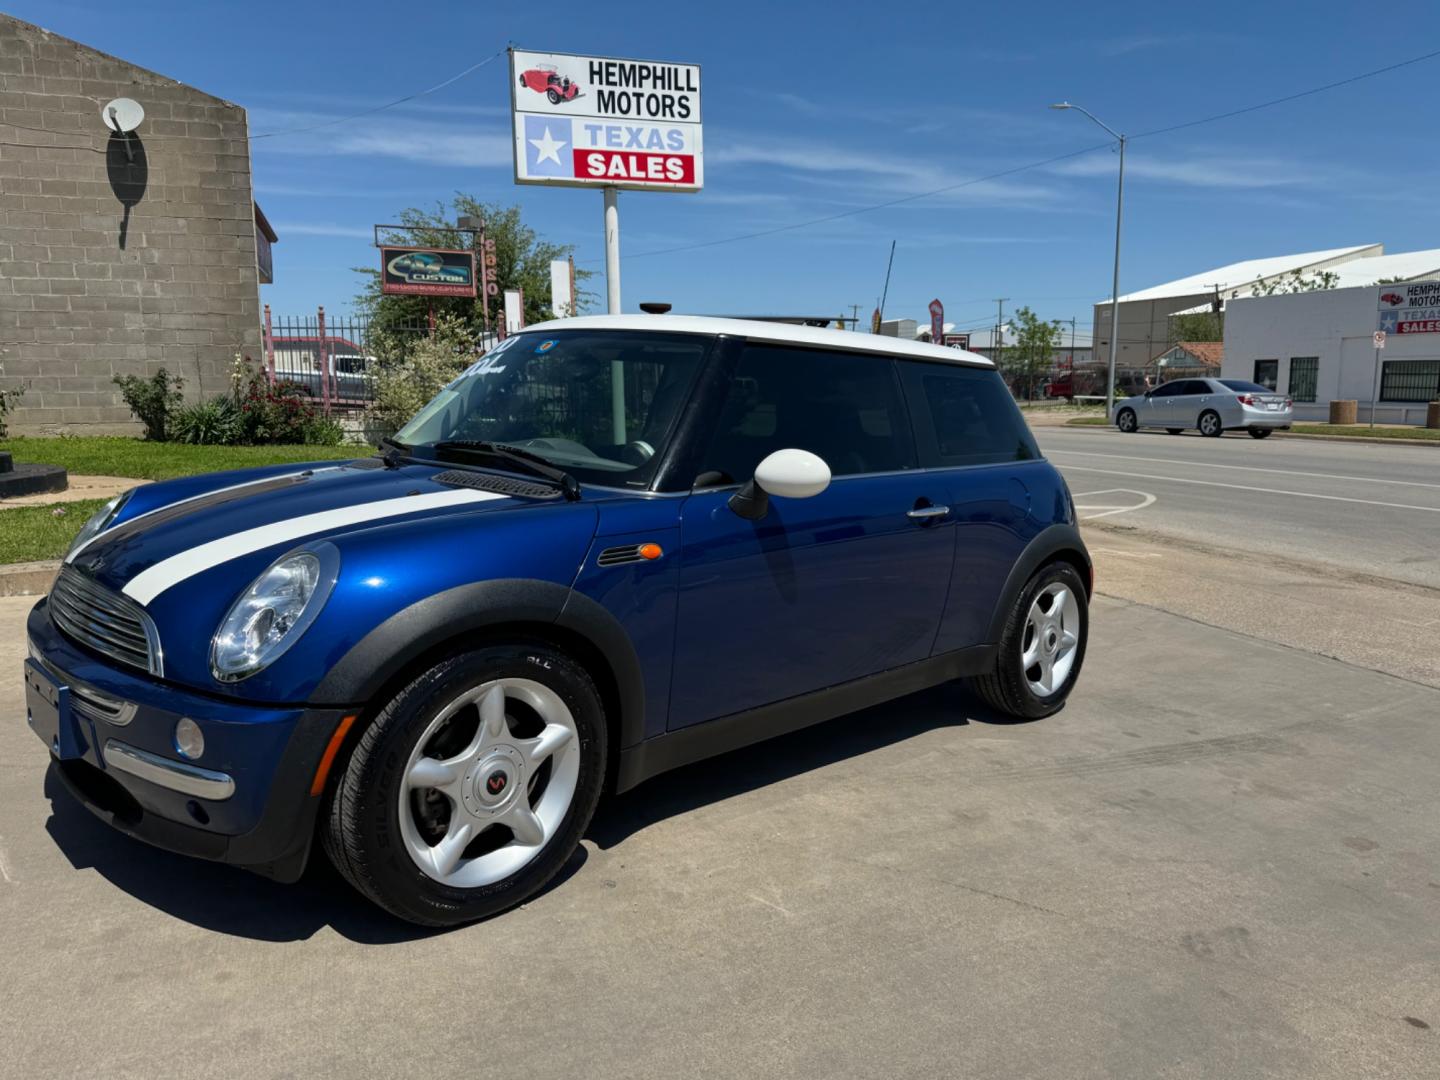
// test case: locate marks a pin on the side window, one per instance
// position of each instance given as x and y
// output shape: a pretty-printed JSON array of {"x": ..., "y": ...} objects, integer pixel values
[
  {"x": 1197, "y": 387},
  {"x": 1267, "y": 373},
  {"x": 846, "y": 407},
  {"x": 964, "y": 416},
  {"x": 1170, "y": 389}
]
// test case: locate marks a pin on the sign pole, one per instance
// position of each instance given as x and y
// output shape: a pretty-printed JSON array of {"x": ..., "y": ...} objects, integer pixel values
[
  {"x": 1379, "y": 338},
  {"x": 612, "y": 290}
]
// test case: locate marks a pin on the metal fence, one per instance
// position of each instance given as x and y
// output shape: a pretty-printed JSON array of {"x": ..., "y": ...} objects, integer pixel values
[{"x": 332, "y": 359}]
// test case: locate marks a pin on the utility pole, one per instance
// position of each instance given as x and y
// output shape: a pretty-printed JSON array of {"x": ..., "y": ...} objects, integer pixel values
[
  {"x": 885, "y": 295},
  {"x": 996, "y": 346},
  {"x": 855, "y": 315}
]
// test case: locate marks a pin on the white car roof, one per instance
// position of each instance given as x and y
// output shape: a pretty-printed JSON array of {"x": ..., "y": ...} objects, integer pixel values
[{"x": 779, "y": 333}]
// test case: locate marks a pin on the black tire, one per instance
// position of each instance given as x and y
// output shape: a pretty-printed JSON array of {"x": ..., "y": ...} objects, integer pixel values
[
  {"x": 1174, "y": 430},
  {"x": 1126, "y": 422},
  {"x": 554, "y": 96},
  {"x": 1259, "y": 433},
  {"x": 1006, "y": 689},
  {"x": 361, "y": 832},
  {"x": 1216, "y": 429}
]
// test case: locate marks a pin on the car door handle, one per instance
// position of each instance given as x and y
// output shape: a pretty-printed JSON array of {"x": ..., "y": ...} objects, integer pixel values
[{"x": 923, "y": 512}]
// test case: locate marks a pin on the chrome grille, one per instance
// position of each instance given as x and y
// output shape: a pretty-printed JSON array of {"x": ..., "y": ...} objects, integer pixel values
[{"x": 105, "y": 621}]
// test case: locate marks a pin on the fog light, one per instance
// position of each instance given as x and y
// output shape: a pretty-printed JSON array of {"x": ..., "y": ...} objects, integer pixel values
[{"x": 188, "y": 739}]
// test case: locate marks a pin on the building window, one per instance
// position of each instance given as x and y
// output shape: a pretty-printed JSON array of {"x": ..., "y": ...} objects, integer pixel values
[
  {"x": 1410, "y": 380},
  {"x": 1267, "y": 373},
  {"x": 1303, "y": 373}
]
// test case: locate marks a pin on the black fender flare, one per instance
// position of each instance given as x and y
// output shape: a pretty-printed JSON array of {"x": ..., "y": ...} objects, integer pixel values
[
  {"x": 1053, "y": 540},
  {"x": 409, "y": 634}
]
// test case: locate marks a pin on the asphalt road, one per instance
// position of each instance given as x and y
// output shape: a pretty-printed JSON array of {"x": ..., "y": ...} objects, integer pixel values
[
  {"x": 1359, "y": 507},
  {"x": 1163, "y": 880}
]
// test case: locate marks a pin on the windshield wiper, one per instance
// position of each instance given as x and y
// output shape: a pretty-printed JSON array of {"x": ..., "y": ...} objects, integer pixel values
[
  {"x": 395, "y": 452},
  {"x": 515, "y": 455}
]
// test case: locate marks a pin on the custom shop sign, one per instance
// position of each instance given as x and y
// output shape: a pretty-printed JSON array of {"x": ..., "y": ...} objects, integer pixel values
[
  {"x": 596, "y": 121},
  {"x": 427, "y": 272},
  {"x": 1412, "y": 308}
]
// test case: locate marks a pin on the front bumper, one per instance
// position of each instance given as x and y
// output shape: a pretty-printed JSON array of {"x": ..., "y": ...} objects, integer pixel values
[{"x": 246, "y": 801}]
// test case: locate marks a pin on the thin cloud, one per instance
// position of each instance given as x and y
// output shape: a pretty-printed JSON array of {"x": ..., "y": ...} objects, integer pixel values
[
  {"x": 1208, "y": 171},
  {"x": 1132, "y": 43},
  {"x": 313, "y": 228},
  {"x": 479, "y": 145}
]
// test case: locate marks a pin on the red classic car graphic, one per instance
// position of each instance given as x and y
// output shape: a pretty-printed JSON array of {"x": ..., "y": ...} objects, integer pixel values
[
  {"x": 1393, "y": 299},
  {"x": 546, "y": 80}
]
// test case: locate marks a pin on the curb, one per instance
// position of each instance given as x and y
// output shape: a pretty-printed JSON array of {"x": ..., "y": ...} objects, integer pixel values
[
  {"x": 1366, "y": 439},
  {"x": 28, "y": 578}
]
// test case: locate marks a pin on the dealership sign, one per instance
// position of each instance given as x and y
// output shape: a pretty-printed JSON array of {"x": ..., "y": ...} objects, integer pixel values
[
  {"x": 1412, "y": 308},
  {"x": 427, "y": 272},
  {"x": 594, "y": 121}
]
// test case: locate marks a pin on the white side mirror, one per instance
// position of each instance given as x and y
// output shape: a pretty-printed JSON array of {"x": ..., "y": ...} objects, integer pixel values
[
  {"x": 788, "y": 474},
  {"x": 793, "y": 474}
]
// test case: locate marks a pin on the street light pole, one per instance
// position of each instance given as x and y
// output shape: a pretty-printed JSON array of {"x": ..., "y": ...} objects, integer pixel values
[{"x": 1115, "y": 281}]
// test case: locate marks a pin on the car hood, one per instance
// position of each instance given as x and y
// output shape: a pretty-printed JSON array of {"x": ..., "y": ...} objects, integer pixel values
[
  {"x": 169, "y": 533},
  {"x": 185, "y": 549}
]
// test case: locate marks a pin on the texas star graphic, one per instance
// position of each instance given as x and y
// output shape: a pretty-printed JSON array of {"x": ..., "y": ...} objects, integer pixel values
[{"x": 547, "y": 147}]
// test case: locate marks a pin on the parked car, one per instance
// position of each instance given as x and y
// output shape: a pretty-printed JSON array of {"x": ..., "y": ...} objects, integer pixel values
[
  {"x": 436, "y": 659},
  {"x": 1211, "y": 406},
  {"x": 548, "y": 81},
  {"x": 297, "y": 360}
]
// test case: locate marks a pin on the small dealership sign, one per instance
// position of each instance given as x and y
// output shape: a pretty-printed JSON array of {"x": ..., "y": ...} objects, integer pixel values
[
  {"x": 1411, "y": 308},
  {"x": 595, "y": 121},
  {"x": 427, "y": 272}
]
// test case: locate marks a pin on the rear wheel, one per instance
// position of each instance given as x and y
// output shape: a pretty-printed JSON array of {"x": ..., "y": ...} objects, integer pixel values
[
  {"x": 1041, "y": 648},
  {"x": 472, "y": 787},
  {"x": 1174, "y": 430},
  {"x": 1125, "y": 420},
  {"x": 1259, "y": 433},
  {"x": 1210, "y": 423}
]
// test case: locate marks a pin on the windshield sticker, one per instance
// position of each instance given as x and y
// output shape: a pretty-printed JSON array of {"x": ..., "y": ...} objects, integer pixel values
[{"x": 546, "y": 346}]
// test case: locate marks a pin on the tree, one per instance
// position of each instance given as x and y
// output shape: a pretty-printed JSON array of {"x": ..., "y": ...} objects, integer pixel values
[
  {"x": 522, "y": 261},
  {"x": 1197, "y": 326},
  {"x": 1029, "y": 357},
  {"x": 1296, "y": 282}
]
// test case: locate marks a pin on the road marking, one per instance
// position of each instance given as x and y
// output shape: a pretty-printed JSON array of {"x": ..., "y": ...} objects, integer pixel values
[
  {"x": 5, "y": 867},
  {"x": 1249, "y": 468},
  {"x": 1127, "y": 554},
  {"x": 1103, "y": 510},
  {"x": 1263, "y": 491}
]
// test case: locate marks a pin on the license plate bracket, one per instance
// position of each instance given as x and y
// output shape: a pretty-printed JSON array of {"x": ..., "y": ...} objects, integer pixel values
[{"x": 47, "y": 711}]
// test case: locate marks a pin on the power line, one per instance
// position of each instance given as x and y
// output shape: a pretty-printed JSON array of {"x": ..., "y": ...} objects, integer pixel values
[
  {"x": 381, "y": 108},
  {"x": 1031, "y": 165}
]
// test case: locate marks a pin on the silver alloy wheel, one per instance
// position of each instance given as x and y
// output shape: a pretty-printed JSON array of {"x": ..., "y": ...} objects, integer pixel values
[
  {"x": 1126, "y": 420},
  {"x": 496, "y": 780},
  {"x": 1209, "y": 424},
  {"x": 1051, "y": 639}
]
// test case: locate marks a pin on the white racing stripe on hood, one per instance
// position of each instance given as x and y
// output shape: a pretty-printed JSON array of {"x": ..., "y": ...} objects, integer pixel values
[
  {"x": 148, "y": 584},
  {"x": 196, "y": 498}
]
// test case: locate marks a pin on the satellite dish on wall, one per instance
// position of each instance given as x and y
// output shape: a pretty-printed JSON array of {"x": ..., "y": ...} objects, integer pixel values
[{"x": 123, "y": 115}]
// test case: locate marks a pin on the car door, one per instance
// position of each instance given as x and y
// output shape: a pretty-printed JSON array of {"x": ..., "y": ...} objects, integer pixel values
[
  {"x": 822, "y": 590},
  {"x": 1188, "y": 402},
  {"x": 973, "y": 440},
  {"x": 1163, "y": 406}
]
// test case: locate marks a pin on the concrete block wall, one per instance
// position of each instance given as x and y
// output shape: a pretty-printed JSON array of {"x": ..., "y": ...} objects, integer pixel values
[{"x": 86, "y": 294}]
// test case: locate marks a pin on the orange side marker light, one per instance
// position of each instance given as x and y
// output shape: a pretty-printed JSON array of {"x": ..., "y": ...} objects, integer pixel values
[
  {"x": 317, "y": 786},
  {"x": 651, "y": 551}
]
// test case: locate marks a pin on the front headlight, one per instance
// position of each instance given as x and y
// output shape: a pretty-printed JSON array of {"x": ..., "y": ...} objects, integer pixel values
[
  {"x": 99, "y": 521},
  {"x": 271, "y": 615}
]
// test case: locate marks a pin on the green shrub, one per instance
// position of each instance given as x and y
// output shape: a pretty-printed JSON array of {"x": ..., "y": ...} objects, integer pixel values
[
  {"x": 211, "y": 423},
  {"x": 324, "y": 431},
  {"x": 418, "y": 368},
  {"x": 153, "y": 400}
]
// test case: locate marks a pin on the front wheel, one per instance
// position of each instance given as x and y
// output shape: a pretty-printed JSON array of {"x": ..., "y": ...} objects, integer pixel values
[
  {"x": 1041, "y": 648},
  {"x": 554, "y": 96},
  {"x": 1125, "y": 420},
  {"x": 472, "y": 786},
  {"x": 1210, "y": 424},
  {"x": 1259, "y": 433}
]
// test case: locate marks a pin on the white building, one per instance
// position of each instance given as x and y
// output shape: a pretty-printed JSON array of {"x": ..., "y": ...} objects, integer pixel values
[{"x": 1319, "y": 346}]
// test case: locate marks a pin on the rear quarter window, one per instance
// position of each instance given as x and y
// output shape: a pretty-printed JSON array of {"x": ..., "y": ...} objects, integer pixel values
[{"x": 964, "y": 416}]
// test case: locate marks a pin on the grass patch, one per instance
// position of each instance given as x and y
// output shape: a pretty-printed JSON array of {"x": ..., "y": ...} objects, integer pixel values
[
  {"x": 117, "y": 456},
  {"x": 1087, "y": 421},
  {"x": 32, "y": 533},
  {"x": 1428, "y": 434}
]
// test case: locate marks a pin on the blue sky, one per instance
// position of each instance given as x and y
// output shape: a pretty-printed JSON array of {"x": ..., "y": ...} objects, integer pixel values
[{"x": 814, "y": 110}]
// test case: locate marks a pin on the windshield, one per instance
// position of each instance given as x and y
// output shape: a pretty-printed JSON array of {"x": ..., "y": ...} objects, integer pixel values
[
  {"x": 599, "y": 404},
  {"x": 1245, "y": 387}
]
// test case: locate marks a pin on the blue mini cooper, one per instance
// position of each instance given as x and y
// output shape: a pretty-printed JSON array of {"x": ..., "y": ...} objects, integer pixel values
[{"x": 612, "y": 546}]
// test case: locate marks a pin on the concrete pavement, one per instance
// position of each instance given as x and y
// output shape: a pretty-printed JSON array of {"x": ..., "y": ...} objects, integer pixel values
[{"x": 1218, "y": 860}]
